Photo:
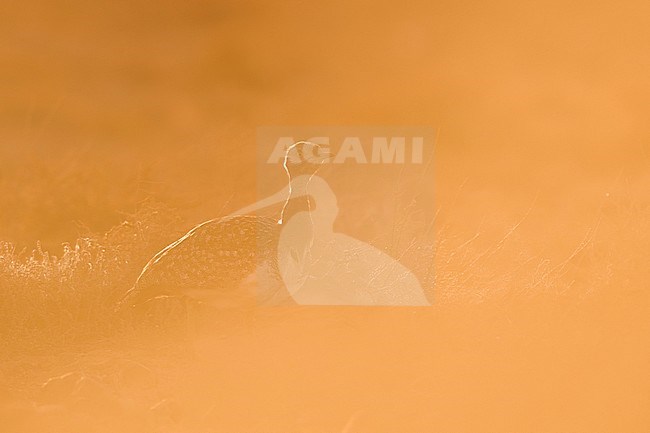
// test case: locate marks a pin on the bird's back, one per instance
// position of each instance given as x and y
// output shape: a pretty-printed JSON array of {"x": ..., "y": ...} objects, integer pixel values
[{"x": 217, "y": 255}]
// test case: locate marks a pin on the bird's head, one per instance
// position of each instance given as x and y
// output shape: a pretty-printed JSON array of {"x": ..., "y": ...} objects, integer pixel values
[{"x": 305, "y": 157}]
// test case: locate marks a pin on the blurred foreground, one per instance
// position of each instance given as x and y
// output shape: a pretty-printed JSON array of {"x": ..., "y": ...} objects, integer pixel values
[{"x": 538, "y": 346}]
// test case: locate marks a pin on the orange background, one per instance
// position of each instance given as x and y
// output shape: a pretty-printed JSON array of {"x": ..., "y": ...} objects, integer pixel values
[{"x": 541, "y": 181}]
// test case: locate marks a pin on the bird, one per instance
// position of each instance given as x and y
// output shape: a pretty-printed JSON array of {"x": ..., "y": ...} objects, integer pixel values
[
  {"x": 296, "y": 259},
  {"x": 224, "y": 262}
]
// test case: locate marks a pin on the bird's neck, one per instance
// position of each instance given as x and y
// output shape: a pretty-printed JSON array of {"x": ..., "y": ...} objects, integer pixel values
[{"x": 298, "y": 199}]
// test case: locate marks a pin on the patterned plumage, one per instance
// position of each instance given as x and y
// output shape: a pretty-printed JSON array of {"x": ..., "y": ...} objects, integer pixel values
[
  {"x": 230, "y": 261},
  {"x": 215, "y": 262}
]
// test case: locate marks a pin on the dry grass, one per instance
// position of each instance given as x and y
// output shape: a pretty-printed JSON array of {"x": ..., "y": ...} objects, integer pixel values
[
  {"x": 60, "y": 300},
  {"x": 63, "y": 343},
  {"x": 49, "y": 300}
]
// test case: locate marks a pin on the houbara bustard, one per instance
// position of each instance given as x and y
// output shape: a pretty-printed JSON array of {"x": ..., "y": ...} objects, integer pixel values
[
  {"x": 226, "y": 261},
  {"x": 297, "y": 258}
]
